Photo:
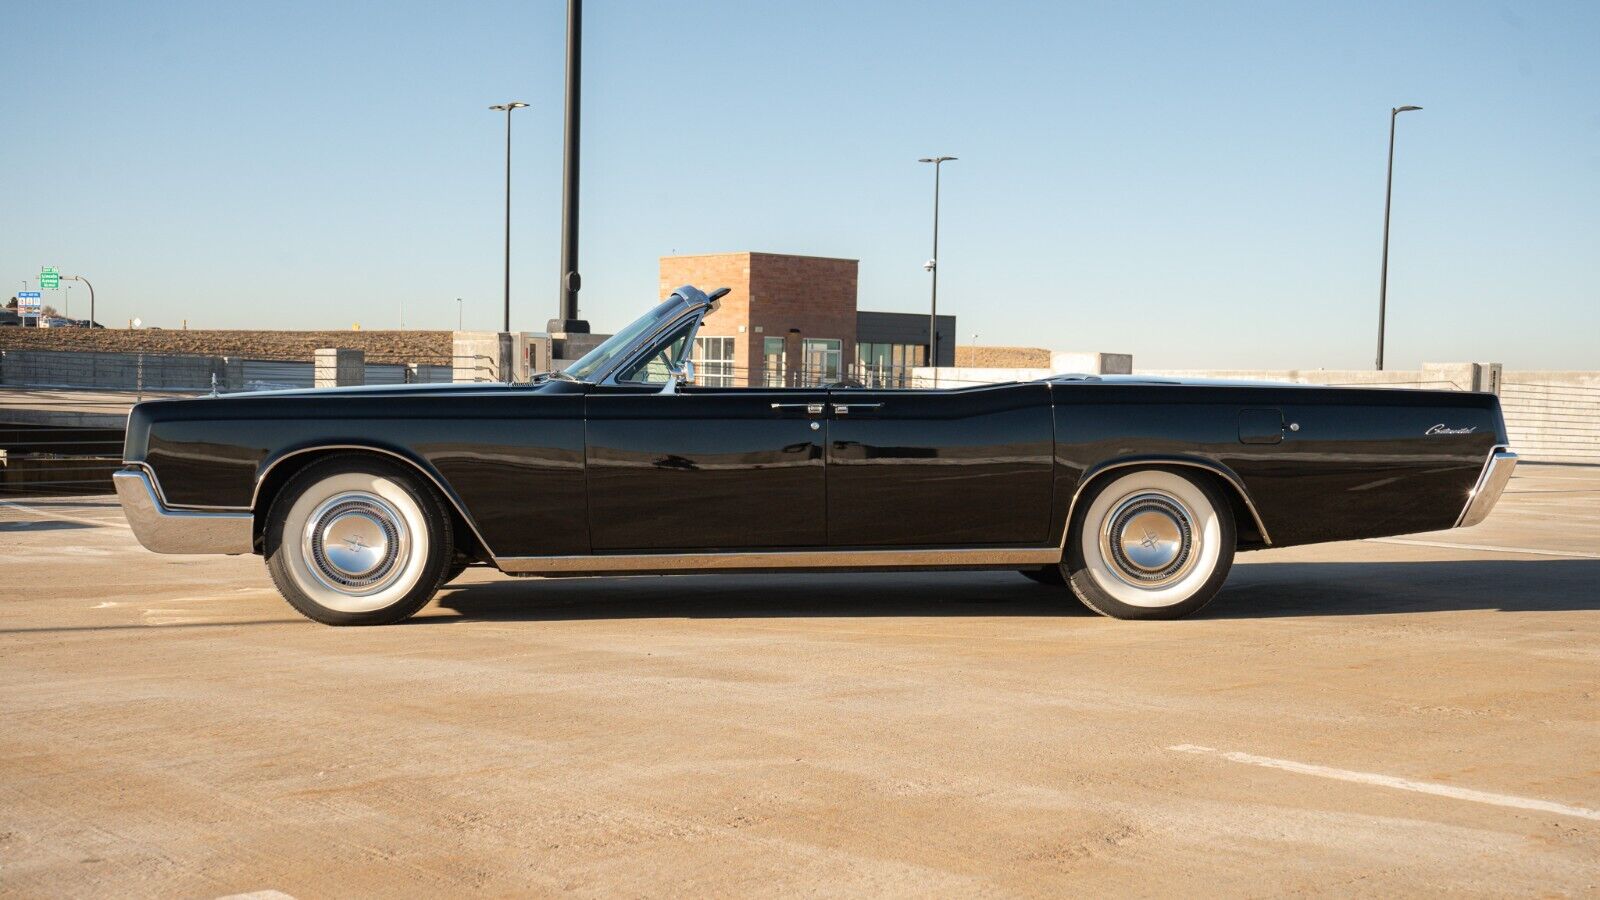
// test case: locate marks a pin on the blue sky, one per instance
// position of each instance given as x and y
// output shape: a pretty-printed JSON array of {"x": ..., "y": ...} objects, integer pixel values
[{"x": 1197, "y": 184}]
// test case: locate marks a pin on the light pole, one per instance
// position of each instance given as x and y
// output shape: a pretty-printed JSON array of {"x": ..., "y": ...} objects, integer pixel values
[
  {"x": 1388, "y": 194},
  {"x": 458, "y": 313},
  {"x": 568, "y": 322},
  {"x": 508, "y": 108},
  {"x": 91, "y": 294},
  {"x": 932, "y": 265}
]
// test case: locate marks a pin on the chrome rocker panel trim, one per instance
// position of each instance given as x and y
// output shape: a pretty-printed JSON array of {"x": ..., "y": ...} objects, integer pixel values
[
  {"x": 165, "y": 530},
  {"x": 1491, "y": 484},
  {"x": 688, "y": 563}
]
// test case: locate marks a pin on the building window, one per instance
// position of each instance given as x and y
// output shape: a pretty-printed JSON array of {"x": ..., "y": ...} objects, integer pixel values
[
  {"x": 775, "y": 364},
  {"x": 822, "y": 363},
  {"x": 888, "y": 365},
  {"x": 714, "y": 361}
]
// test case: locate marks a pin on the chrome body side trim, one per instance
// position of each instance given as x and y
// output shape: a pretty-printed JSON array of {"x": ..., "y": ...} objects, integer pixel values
[
  {"x": 449, "y": 495},
  {"x": 1213, "y": 468},
  {"x": 1491, "y": 484},
  {"x": 165, "y": 530},
  {"x": 641, "y": 563}
]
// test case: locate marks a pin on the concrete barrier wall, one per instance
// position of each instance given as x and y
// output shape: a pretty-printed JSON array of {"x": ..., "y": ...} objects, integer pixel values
[
  {"x": 110, "y": 371},
  {"x": 182, "y": 372},
  {"x": 1553, "y": 415}
]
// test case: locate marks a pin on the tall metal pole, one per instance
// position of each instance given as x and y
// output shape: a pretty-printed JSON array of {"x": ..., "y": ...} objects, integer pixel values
[
  {"x": 933, "y": 263},
  {"x": 508, "y": 108},
  {"x": 91, "y": 293},
  {"x": 1388, "y": 195},
  {"x": 506, "y": 324},
  {"x": 568, "y": 321},
  {"x": 933, "y": 306}
]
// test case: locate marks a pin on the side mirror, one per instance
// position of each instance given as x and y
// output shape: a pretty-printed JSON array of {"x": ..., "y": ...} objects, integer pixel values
[{"x": 679, "y": 376}]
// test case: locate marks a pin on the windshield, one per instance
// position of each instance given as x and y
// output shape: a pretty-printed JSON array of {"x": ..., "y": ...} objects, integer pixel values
[{"x": 596, "y": 359}]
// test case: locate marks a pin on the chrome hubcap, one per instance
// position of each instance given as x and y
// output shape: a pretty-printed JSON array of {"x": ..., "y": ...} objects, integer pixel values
[
  {"x": 1149, "y": 539},
  {"x": 356, "y": 543}
]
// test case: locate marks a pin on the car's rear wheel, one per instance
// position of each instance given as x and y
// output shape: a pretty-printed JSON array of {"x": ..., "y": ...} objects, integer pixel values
[
  {"x": 357, "y": 540},
  {"x": 1150, "y": 544}
]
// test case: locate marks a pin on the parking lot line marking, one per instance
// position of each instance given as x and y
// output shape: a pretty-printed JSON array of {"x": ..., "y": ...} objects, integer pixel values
[
  {"x": 1574, "y": 554},
  {"x": 1389, "y": 781},
  {"x": 65, "y": 518}
]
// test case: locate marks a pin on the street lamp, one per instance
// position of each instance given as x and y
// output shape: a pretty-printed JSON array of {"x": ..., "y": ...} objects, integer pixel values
[
  {"x": 507, "y": 108},
  {"x": 1388, "y": 194},
  {"x": 458, "y": 313},
  {"x": 932, "y": 265},
  {"x": 91, "y": 294}
]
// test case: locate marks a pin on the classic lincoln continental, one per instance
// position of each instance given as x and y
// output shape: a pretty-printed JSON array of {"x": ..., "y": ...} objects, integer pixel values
[{"x": 1132, "y": 493}]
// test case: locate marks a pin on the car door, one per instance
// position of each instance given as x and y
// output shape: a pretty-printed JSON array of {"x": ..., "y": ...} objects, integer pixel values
[
  {"x": 705, "y": 468},
  {"x": 940, "y": 468}
]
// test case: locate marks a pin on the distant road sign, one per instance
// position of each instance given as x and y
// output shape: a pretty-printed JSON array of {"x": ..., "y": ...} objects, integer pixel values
[
  {"x": 50, "y": 278},
  {"x": 28, "y": 302}
]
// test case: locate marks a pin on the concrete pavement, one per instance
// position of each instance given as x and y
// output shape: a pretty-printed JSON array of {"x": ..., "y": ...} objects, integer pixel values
[{"x": 1412, "y": 716}]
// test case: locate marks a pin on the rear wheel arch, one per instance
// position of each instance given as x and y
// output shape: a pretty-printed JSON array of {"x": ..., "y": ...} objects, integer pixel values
[
  {"x": 278, "y": 471},
  {"x": 1252, "y": 532}
]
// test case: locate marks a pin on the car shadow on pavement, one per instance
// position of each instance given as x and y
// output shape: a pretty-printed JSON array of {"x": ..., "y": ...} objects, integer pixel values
[
  {"x": 743, "y": 596},
  {"x": 1257, "y": 590},
  {"x": 1267, "y": 590}
]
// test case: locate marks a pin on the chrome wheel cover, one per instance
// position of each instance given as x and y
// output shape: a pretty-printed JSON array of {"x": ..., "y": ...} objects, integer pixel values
[
  {"x": 356, "y": 543},
  {"x": 1150, "y": 540}
]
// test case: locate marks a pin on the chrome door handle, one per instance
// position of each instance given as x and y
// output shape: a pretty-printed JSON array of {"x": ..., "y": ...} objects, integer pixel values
[
  {"x": 814, "y": 409},
  {"x": 843, "y": 409}
]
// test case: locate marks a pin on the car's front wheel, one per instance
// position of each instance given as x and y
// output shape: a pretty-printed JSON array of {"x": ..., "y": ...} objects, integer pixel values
[
  {"x": 1150, "y": 544},
  {"x": 357, "y": 540}
]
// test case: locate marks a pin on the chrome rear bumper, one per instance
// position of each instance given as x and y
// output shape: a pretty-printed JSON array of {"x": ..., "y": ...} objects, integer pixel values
[
  {"x": 167, "y": 530},
  {"x": 1491, "y": 483}
]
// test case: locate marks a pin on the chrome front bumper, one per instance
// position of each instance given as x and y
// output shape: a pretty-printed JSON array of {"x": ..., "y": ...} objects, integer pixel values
[
  {"x": 167, "y": 530},
  {"x": 1491, "y": 483}
]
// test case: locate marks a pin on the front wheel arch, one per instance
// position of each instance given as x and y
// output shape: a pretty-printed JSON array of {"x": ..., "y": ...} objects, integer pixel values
[{"x": 278, "y": 471}]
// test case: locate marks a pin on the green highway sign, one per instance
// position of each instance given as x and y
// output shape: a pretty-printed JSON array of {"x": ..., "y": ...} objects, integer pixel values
[{"x": 50, "y": 277}]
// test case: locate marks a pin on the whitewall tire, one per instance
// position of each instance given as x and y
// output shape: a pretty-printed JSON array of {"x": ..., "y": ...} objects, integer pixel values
[
  {"x": 1150, "y": 544},
  {"x": 357, "y": 540}
]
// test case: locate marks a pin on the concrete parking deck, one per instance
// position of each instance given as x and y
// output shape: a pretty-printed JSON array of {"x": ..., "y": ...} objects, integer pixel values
[{"x": 1382, "y": 717}]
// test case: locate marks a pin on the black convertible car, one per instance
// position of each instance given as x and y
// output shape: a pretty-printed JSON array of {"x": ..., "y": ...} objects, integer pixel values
[{"x": 1135, "y": 493}]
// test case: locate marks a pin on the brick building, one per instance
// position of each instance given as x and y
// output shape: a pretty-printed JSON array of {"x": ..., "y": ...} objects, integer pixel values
[{"x": 792, "y": 320}]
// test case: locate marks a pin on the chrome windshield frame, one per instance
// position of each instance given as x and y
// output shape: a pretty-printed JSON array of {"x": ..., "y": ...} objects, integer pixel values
[{"x": 695, "y": 305}]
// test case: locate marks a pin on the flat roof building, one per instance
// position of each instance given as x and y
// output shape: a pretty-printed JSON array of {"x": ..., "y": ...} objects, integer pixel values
[{"x": 792, "y": 320}]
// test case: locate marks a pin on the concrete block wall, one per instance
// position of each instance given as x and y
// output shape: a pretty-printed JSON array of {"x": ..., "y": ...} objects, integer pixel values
[
  {"x": 111, "y": 371},
  {"x": 482, "y": 355},
  {"x": 338, "y": 367}
]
